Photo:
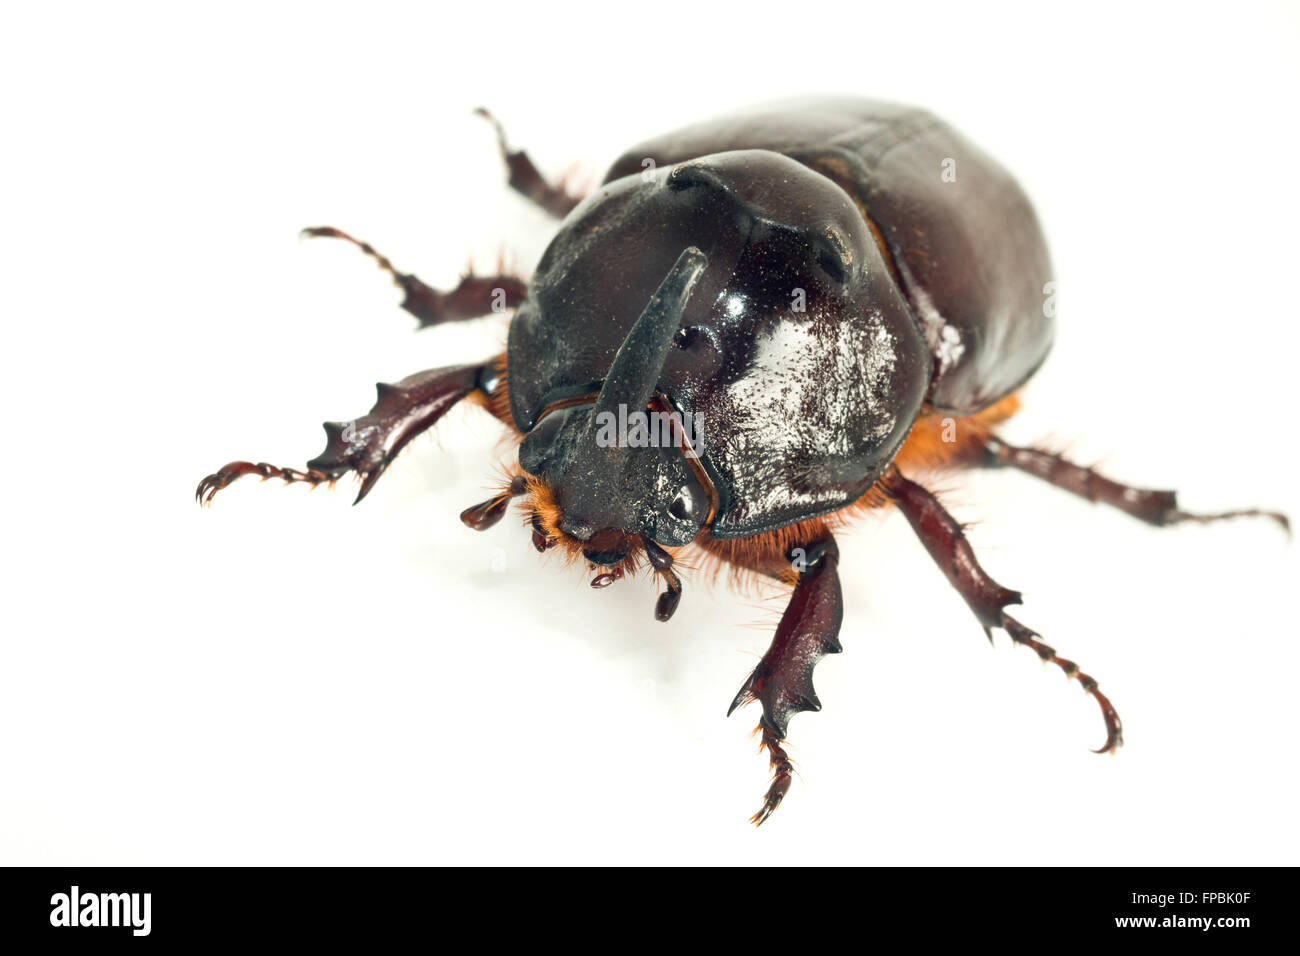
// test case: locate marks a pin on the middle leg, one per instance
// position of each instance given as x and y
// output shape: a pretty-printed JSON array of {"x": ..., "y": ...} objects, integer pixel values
[
  {"x": 943, "y": 537},
  {"x": 473, "y": 297},
  {"x": 1159, "y": 508}
]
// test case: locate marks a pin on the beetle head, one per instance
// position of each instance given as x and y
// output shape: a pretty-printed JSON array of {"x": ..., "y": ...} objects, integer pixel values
[{"x": 617, "y": 470}]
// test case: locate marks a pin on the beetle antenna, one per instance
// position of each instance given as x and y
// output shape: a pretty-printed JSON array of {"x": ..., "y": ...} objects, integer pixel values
[
  {"x": 670, "y": 598},
  {"x": 485, "y": 514},
  {"x": 662, "y": 562}
]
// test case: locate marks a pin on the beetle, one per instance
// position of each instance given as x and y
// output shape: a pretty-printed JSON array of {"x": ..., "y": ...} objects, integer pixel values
[{"x": 754, "y": 330}]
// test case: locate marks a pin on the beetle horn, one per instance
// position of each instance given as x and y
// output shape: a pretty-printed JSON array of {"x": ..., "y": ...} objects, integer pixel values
[{"x": 635, "y": 372}]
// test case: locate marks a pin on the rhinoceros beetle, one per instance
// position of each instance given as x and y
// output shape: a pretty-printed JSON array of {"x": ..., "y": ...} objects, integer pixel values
[{"x": 754, "y": 330}]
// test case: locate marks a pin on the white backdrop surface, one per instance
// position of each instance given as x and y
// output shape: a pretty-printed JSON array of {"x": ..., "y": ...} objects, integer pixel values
[{"x": 286, "y": 679}]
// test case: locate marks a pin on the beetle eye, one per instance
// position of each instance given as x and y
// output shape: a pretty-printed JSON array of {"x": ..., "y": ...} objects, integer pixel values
[
  {"x": 831, "y": 265},
  {"x": 686, "y": 506},
  {"x": 832, "y": 256}
]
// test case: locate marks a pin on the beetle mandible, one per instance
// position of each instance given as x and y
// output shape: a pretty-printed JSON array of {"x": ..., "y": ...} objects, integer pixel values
[{"x": 738, "y": 347}]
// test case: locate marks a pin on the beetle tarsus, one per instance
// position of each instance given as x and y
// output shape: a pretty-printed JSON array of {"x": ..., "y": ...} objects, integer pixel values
[
  {"x": 1159, "y": 508},
  {"x": 1031, "y": 639},
  {"x": 473, "y": 297},
  {"x": 526, "y": 179},
  {"x": 943, "y": 537},
  {"x": 235, "y": 470},
  {"x": 1178, "y": 517},
  {"x": 782, "y": 774}
]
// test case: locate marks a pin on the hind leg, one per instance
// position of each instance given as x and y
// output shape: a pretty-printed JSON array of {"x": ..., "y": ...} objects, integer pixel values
[
  {"x": 526, "y": 179},
  {"x": 1158, "y": 508},
  {"x": 474, "y": 296},
  {"x": 368, "y": 445}
]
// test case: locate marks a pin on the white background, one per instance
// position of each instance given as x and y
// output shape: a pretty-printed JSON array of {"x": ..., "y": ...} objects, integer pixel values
[{"x": 287, "y": 679}]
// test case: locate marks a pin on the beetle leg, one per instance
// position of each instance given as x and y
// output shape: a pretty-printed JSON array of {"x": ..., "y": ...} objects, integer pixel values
[
  {"x": 525, "y": 178},
  {"x": 474, "y": 296},
  {"x": 369, "y": 444},
  {"x": 1154, "y": 507},
  {"x": 943, "y": 537},
  {"x": 782, "y": 681}
]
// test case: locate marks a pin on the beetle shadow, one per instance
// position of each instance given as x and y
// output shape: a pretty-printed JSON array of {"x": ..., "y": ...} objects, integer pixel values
[{"x": 694, "y": 661}]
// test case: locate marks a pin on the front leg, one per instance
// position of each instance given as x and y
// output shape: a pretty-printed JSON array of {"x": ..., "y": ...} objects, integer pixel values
[
  {"x": 943, "y": 537},
  {"x": 368, "y": 445},
  {"x": 782, "y": 681}
]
